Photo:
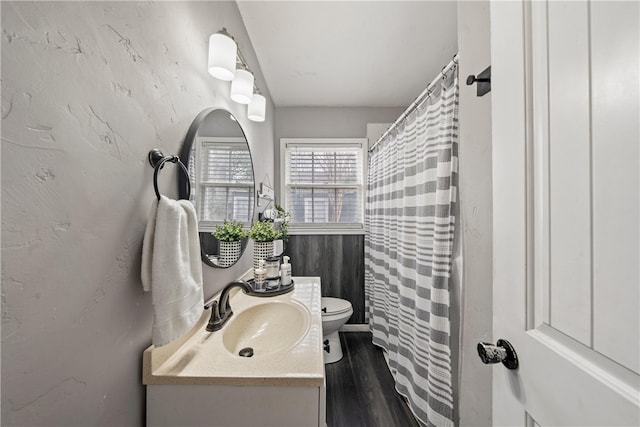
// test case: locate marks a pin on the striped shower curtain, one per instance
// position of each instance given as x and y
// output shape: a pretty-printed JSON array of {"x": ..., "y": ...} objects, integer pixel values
[{"x": 410, "y": 224}]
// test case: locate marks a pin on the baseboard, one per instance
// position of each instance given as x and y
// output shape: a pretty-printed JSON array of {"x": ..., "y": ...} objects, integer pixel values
[{"x": 355, "y": 327}]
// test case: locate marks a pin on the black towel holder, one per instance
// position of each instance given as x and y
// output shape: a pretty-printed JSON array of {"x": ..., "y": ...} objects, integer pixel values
[{"x": 157, "y": 160}]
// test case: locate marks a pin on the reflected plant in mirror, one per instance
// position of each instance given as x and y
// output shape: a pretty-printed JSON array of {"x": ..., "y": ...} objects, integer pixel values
[
  {"x": 221, "y": 175},
  {"x": 230, "y": 235}
]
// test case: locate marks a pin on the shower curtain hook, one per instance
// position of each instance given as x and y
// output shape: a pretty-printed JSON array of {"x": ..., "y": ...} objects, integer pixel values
[
  {"x": 444, "y": 76},
  {"x": 454, "y": 59}
]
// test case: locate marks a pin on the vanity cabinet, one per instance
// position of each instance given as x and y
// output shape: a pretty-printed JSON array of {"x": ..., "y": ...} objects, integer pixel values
[
  {"x": 200, "y": 380},
  {"x": 230, "y": 406}
]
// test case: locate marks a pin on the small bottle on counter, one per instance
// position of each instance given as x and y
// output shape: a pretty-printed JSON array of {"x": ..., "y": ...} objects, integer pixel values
[
  {"x": 260, "y": 275},
  {"x": 285, "y": 271},
  {"x": 272, "y": 264}
]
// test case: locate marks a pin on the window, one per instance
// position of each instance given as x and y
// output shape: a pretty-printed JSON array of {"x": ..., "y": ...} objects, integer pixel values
[
  {"x": 323, "y": 184},
  {"x": 224, "y": 181}
]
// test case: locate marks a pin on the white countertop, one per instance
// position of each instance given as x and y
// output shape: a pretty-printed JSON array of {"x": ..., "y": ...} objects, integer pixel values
[{"x": 200, "y": 357}]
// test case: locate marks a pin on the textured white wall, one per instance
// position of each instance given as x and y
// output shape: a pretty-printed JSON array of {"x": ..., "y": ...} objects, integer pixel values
[
  {"x": 474, "y": 378},
  {"x": 88, "y": 88}
]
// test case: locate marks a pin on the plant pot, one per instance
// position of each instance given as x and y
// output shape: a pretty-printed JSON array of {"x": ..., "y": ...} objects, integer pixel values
[
  {"x": 261, "y": 250},
  {"x": 229, "y": 253}
]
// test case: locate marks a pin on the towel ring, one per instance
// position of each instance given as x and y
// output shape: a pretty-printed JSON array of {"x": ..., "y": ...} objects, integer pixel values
[{"x": 157, "y": 160}]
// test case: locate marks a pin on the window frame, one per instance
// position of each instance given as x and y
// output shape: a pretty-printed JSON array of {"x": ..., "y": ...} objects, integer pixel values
[{"x": 324, "y": 227}]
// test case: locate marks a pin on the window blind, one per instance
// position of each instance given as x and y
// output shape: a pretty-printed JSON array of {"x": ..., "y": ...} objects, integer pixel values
[
  {"x": 225, "y": 163},
  {"x": 324, "y": 183},
  {"x": 224, "y": 183}
]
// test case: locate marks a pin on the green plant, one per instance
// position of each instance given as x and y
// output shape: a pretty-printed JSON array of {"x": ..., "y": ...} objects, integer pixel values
[
  {"x": 230, "y": 231},
  {"x": 264, "y": 232},
  {"x": 284, "y": 227}
]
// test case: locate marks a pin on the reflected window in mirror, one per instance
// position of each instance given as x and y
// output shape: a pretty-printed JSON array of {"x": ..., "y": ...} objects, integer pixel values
[{"x": 224, "y": 187}]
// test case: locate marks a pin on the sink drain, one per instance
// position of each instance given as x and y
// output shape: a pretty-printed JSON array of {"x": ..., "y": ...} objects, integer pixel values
[{"x": 246, "y": 352}]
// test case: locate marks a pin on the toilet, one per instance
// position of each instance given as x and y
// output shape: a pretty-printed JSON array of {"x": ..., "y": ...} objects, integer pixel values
[{"x": 335, "y": 313}]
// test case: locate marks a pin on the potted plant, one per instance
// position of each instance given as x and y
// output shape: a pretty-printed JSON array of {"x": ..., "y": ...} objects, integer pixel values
[
  {"x": 263, "y": 234},
  {"x": 284, "y": 226},
  {"x": 230, "y": 236}
]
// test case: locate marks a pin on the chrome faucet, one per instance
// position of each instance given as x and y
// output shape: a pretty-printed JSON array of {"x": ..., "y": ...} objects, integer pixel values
[{"x": 221, "y": 310}]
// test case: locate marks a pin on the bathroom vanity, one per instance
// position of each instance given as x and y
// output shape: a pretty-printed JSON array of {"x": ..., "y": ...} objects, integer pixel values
[{"x": 201, "y": 378}]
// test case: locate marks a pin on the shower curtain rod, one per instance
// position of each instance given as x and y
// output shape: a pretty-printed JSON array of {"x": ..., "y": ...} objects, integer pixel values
[{"x": 425, "y": 93}]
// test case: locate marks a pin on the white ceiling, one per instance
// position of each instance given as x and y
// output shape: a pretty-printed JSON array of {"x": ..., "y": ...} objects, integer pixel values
[{"x": 350, "y": 53}]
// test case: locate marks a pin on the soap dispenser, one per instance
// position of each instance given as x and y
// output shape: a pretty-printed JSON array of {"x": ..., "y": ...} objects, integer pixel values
[
  {"x": 260, "y": 275},
  {"x": 285, "y": 271}
]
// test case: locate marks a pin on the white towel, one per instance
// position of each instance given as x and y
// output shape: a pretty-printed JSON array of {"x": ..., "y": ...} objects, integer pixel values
[{"x": 172, "y": 269}]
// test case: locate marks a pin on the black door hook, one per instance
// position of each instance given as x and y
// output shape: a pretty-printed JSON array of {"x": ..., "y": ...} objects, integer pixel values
[
  {"x": 472, "y": 79},
  {"x": 484, "y": 81}
]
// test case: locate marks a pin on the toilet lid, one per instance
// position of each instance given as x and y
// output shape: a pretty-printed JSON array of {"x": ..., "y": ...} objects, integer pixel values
[{"x": 335, "y": 305}]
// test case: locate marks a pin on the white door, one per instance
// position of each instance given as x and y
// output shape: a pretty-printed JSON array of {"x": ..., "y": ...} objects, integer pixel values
[{"x": 566, "y": 139}]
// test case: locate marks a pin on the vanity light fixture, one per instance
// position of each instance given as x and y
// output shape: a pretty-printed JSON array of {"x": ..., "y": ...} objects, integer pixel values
[
  {"x": 256, "y": 111},
  {"x": 222, "y": 55},
  {"x": 242, "y": 87},
  {"x": 222, "y": 49}
]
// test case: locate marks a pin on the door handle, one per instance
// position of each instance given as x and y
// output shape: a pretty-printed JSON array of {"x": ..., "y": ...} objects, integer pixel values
[{"x": 503, "y": 352}]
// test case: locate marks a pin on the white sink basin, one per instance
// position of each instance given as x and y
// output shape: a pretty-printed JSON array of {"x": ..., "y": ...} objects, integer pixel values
[
  {"x": 266, "y": 328},
  {"x": 284, "y": 332}
]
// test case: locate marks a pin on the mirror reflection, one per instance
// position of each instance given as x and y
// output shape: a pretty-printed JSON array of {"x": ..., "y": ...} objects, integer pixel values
[{"x": 222, "y": 185}]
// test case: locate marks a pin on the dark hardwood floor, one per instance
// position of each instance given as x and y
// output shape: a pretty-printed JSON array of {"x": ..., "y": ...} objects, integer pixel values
[{"x": 360, "y": 388}]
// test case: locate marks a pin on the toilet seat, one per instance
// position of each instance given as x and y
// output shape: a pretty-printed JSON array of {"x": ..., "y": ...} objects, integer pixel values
[{"x": 335, "y": 306}]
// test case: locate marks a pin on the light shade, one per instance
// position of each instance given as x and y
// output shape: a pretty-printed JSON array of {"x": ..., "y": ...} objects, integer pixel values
[
  {"x": 242, "y": 87},
  {"x": 222, "y": 56},
  {"x": 256, "y": 110}
]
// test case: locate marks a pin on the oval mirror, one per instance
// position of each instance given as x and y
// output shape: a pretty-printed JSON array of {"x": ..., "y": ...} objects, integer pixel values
[{"x": 217, "y": 155}]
